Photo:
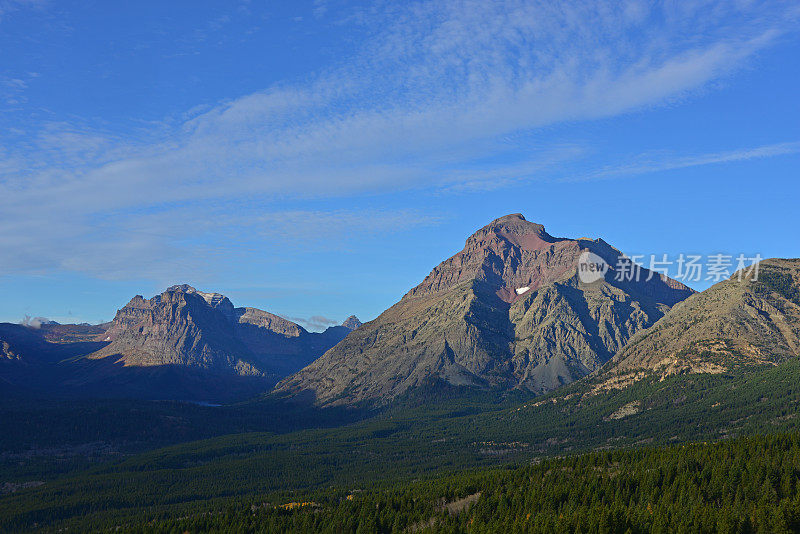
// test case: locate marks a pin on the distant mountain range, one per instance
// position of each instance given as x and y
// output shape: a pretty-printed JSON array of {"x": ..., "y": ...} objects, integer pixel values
[
  {"x": 509, "y": 312},
  {"x": 182, "y": 344}
]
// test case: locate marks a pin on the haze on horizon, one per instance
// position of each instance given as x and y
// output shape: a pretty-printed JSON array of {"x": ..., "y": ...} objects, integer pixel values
[{"x": 316, "y": 159}]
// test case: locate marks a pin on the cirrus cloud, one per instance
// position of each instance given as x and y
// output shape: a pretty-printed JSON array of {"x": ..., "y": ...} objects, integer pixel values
[{"x": 435, "y": 86}]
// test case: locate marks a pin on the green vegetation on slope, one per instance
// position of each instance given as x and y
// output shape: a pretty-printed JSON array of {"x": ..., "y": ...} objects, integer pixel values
[
  {"x": 743, "y": 485},
  {"x": 41, "y": 439},
  {"x": 413, "y": 443},
  {"x": 780, "y": 281}
]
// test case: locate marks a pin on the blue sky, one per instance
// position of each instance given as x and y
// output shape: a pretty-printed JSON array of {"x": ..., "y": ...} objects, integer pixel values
[{"x": 317, "y": 159}]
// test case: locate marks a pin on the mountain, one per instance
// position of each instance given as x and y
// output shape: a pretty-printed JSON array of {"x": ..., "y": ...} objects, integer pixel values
[
  {"x": 747, "y": 321},
  {"x": 508, "y": 311},
  {"x": 180, "y": 327},
  {"x": 186, "y": 327},
  {"x": 183, "y": 344},
  {"x": 351, "y": 323},
  {"x": 19, "y": 343},
  {"x": 47, "y": 344}
]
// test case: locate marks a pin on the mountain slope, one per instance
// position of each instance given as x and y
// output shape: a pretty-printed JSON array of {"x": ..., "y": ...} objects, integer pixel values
[
  {"x": 749, "y": 321},
  {"x": 507, "y": 311}
]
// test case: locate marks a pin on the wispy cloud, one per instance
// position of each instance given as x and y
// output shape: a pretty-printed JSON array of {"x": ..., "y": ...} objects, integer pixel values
[
  {"x": 316, "y": 227},
  {"x": 497, "y": 176},
  {"x": 12, "y": 90},
  {"x": 34, "y": 322},
  {"x": 435, "y": 88},
  {"x": 314, "y": 323},
  {"x": 651, "y": 163},
  {"x": 9, "y": 6}
]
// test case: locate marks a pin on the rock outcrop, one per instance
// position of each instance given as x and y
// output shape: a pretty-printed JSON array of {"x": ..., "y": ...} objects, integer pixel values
[{"x": 179, "y": 327}]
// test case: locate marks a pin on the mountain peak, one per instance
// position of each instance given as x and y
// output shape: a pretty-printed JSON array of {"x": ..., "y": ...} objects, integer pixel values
[
  {"x": 181, "y": 288},
  {"x": 511, "y": 217},
  {"x": 513, "y": 229},
  {"x": 189, "y": 329},
  {"x": 213, "y": 299},
  {"x": 352, "y": 322},
  {"x": 499, "y": 254},
  {"x": 515, "y": 222},
  {"x": 508, "y": 311}
]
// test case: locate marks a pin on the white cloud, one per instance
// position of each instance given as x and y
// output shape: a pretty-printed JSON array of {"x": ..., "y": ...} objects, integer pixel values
[
  {"x": 15, "y": 83},
  {"x": 34, "y": 322},
  {"x": 9, "y": 6},
  {"x": 650, "y": 163},
  {"x": 436, "y": 86},
  {"x": 315, "y": 323},
  {"x": 190, "y": 242}
]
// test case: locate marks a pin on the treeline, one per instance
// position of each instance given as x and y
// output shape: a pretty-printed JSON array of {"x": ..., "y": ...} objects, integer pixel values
[{"x": 743, "y": 485}]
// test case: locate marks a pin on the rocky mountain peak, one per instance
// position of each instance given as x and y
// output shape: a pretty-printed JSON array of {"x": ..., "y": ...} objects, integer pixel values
[
  {"x": 508, "y": 254},
  {"x": 181, "y": 288},
  {"x": 512, "y": 217},
  {"x": 269, "y": 321},
  {"x": 513, "y": 230},
  {"x": 352, "y": 322},
  {"x": 188, "y": 328},
  {"x": 218, "y": 301}
]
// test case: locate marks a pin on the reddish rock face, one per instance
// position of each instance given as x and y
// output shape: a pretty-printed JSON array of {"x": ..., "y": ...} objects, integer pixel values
[{"x": 511, "y": 253}]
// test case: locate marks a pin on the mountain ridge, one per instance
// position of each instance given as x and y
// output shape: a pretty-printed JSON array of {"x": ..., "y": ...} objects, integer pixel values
[{"x": 751, "y": 318}]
